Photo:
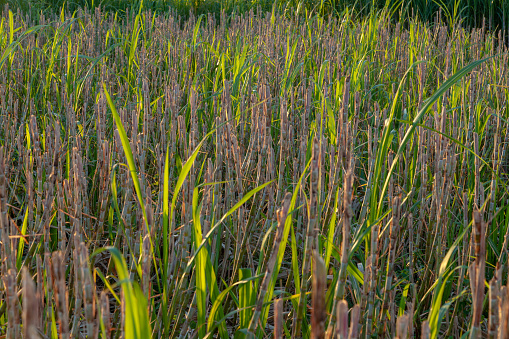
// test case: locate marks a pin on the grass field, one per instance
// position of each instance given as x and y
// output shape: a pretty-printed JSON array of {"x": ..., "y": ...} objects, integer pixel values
[{"x": 252, "y": 175}]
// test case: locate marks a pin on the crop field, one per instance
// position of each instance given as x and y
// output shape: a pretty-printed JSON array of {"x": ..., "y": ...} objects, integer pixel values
[{"x": 256, "y": 175}]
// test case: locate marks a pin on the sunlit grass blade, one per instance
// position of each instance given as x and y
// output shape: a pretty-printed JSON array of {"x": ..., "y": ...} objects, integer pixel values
[
  {"x": 137, "y": 325},
  {"x": 128, "y": 154},
  {"x": 426, "y": 106}
]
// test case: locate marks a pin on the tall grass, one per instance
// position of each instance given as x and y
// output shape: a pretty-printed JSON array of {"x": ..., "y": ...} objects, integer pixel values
[{"x": 265, "y": 174}]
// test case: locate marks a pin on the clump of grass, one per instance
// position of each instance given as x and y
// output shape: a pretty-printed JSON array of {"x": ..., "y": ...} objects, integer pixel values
[{"x": 262, "y": 174}]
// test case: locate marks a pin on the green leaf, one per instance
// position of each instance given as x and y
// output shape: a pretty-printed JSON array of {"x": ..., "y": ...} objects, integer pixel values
[
  {"x": 444, "y": 275},
  {"x": 282, "y": 246},
  {"x": 220, "y": 298},
  {"x": 128, "y": 154},
  {"x": 137, "y": 324}
]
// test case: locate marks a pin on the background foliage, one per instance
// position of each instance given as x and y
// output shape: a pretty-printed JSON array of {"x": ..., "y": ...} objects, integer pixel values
[{"x": 468, "y": 12}]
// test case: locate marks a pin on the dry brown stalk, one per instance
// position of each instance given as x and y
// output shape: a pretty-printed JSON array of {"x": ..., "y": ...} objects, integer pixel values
[
  {"x": 319, "y": 310},
  {"x": 425, "y": 332},
  {"x": 354, "y": 322},
  {"x": 89, "y": 294},
  {"x": 11, "y": 299},
  {"x": 503, "y": 329},
  {"x": 78, "y": 291},
  {"x": 493, "y": 321},
  {"x": 476, "y": 271},
  {"x": 30, "y": 307},
  {"x": 402, "y": 327},
  {"x": 341, "y": 331},
  {"x": 278, "y": 318},
  {"x": 105, "y": 314},
  {"x": 59, "y": 286},
  {"x": 4, "y": 221}
]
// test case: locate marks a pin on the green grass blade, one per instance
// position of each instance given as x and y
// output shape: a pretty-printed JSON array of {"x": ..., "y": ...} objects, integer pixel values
[
  {"x": 282, "y": 246},
  {"x": 137, "y": 324},
  {"x": 128, "y": 154},
  {"x": 426, "y": 106}
]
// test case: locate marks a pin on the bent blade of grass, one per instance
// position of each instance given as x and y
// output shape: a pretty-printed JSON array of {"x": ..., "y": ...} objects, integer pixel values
[
  {"x": 213, "y": 317},
  {"x": 137, "y": 324},
  {"x": 107, "y": 284},
  {"x": 427, "y": 105},
  {"x": 214, "y": 293},
  {"x": 437, "y": 309},
  {"x": 383, "y": 150},
  {"x": 464, "y": 147},
  {"x": 282, "y": 247},
  {"x": 80, "y": 83},
  {"x": 444, "y": 275},
  {"x": 363, "y": 231},
  {"x": 128, "y": 154},
  {"x": 134, "y": 174},
  {"x": 180, "y": 181},
  {"x": 7, "y": 53}
]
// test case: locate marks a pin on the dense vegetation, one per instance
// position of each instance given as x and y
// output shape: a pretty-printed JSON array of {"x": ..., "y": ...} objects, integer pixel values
[
  {"x": 252, "y": 175},
  {"x": 493, "y": 14}
]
